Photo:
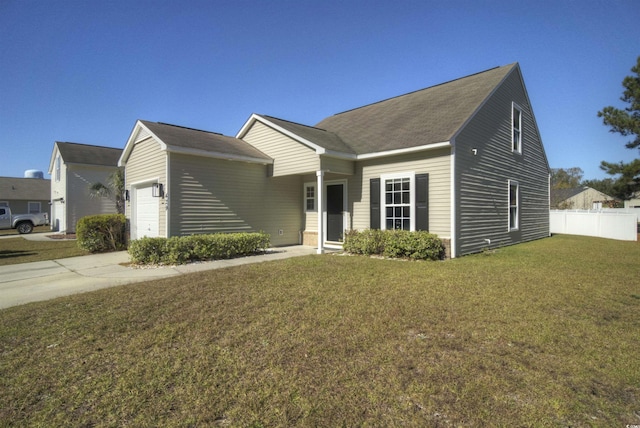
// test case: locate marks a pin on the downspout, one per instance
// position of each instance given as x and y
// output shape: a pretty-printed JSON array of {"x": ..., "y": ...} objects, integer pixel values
[
  {"x": 320, "y": 186},
  {"x": 454, "y": 232}
]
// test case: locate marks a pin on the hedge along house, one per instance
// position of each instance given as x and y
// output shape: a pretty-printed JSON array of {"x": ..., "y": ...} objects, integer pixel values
[
  {"x": 463, "y": 160},
  {"x": 182, "y": 181}
]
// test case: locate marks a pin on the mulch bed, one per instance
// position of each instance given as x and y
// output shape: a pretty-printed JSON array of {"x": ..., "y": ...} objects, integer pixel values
[{"x": 61, "y": 236}]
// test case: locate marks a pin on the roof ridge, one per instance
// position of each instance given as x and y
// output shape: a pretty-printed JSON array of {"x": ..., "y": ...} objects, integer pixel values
[
  {"x": 87, "y": 144},
  {"x": 294, "y": 123},
  {"x": 189, "y": 128},
  {"x": 423, "y": 89}
]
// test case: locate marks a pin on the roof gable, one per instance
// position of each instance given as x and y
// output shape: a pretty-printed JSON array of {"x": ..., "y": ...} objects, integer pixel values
[
  {"x": 428, "y": 116},
  {"x": 13, "y": 188},
  {"x": 179, "y": 139},
  {"x": 88, "y": 154}
]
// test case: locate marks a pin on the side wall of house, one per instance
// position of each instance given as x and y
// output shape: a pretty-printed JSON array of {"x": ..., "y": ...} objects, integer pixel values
[
  {"x": 210, "y": 195},
  {"x": 58, "y": 196},
  {"x": 290, "y": 157},
  {"x": 79, "y": 202},
  {"x": 147, "y": 163},
  {"x": 485, "y": 163}
]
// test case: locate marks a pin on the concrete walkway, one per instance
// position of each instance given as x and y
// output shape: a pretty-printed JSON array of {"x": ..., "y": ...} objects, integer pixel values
[{"x": 36, "y": 281}]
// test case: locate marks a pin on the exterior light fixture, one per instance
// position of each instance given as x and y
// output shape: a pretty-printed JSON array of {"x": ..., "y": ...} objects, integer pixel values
[{"x": 157, "y": 190}]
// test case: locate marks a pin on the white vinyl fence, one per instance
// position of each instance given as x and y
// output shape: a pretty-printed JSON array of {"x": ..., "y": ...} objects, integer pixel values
[{"x": 619, "y": 224}]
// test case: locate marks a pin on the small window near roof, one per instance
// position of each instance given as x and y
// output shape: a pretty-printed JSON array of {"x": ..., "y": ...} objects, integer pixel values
[
  {"x": 516, "y": 125},
  {"x": 57, "y": 171}
]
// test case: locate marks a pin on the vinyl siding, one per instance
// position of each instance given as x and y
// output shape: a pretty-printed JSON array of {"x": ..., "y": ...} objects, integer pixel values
[
  {"x": 78, "y": 202},
  {"x": 147, "y": 162},
  {"x": 290, "y": 157},
  {"x": 340, "y": 166},
  {"x": 219, "y": 196},
  {"x": 436, "y": 163},
  {"x": 482, "y": 179}
]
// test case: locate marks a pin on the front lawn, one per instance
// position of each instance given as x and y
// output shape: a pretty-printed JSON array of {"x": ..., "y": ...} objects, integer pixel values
[
  {"x": 37, "y": 229},
  {"x": 19, "y": 250},
  {"x": 538, "y": 334}
]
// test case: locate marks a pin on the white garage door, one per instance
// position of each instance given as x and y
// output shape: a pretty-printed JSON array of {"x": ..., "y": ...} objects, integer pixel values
[{"x": 146, "y": 214}]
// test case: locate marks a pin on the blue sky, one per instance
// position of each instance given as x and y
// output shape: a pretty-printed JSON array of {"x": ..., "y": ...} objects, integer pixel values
[{"x": 85, "y": 71}]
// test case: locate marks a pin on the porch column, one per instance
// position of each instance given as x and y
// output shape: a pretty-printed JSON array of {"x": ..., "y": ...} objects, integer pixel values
[{"x": 320, "y": 193}]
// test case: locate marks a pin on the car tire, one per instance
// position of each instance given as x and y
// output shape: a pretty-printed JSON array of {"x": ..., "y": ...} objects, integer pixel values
[{"x": 24, "y": 227}]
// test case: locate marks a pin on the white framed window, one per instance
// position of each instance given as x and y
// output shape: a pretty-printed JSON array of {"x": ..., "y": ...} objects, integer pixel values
[
  {"x": 514, "y": 205},
  {"x": 34, "y": 207},
  {"x": 398, "y": 197},
  {"x": 516, "y": 128},
  {"x": 310, "y": 197},
  {"x": 57, "y": 172}
]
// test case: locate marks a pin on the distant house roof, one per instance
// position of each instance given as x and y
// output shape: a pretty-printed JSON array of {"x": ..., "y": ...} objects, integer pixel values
[
  {"x": 88, "y": 154},
  {"x": 560, "y": 195},
  {"x": 195, "y": 141},
  {"x": 428, "y": 116},
  {"x": 35, "y": 189}
]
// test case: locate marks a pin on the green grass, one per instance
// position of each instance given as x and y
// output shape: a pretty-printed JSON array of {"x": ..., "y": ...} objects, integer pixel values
[
  {"x": 19, "y": 250},
  {"x": 37, "y": 229},
  {"x": 539, "y": 334}
]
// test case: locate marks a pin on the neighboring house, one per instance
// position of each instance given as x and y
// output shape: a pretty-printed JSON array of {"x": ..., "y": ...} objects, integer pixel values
[
  {"x": 463, "y": 160},
  {"x": 25, "y": 195},
  {"x": 74, "y": 168},
  {"x": 634, "y": 202},
  {"x": 580, "y": 198}
]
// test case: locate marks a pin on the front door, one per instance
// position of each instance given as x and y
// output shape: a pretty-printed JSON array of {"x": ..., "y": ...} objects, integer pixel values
[{"x": 335, "y": 210}]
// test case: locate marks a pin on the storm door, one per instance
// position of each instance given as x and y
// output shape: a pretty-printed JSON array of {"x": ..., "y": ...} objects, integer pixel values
[{"x": 335, "y": 212}]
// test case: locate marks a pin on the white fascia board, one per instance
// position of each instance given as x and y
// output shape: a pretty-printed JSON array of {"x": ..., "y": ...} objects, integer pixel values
[
  {"x": 254, "y": 117},
  {"x": 404, "y": 151},
  {"x": 53, "y": 157},
  {"x": 218, "y": 155},
  {"x": 128, "y": 148}
]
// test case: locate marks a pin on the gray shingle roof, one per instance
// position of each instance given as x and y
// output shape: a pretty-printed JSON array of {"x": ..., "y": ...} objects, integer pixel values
[
  {"x": 88, "y": 154},
  {"x": 34, "y": 189},
  {"x": 423, "y": 117},
  {"x": 321, "y": 137},
  {"x": 195, "y": 139},
  {"x": 560, "y": 195}
]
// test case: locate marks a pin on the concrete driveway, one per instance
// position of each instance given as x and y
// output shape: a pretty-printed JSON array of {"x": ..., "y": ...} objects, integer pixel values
[{"x": 37, "y": 281}]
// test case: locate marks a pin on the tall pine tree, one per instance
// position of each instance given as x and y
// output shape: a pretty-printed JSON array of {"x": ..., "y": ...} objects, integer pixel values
[{"x": 626, "y": 122}]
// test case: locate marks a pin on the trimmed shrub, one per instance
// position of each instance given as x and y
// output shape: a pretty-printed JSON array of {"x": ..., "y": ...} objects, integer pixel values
[
  {"x": 101, "y": 233},
  {"x": 368, "y": 242},
  {"x": 184, "y": 249},
  {"x": 420, "y": 245}
]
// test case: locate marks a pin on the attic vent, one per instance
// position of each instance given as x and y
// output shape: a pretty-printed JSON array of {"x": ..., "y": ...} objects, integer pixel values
[{"x": 142, "y": 134}]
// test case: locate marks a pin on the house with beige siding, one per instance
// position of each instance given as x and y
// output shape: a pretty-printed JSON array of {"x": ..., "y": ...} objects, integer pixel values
[
  {"x": 580, "y": 198},
  {"x": 74, "y": 168},
  {"x": 25, "y": 195},
  {"x": 463, "y": 160}
]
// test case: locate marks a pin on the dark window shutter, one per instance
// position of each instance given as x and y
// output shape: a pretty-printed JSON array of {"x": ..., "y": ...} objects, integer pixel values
[
  {"x": 422, "y": 202},
  {"x": 374, "y": 203}
]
